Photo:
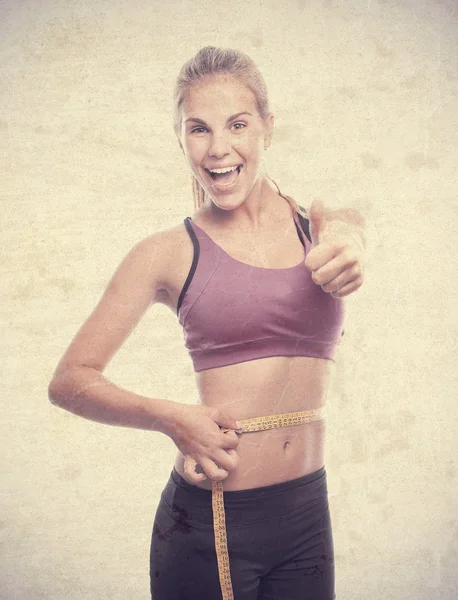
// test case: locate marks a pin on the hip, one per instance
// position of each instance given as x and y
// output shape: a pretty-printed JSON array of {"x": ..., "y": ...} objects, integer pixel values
[{"x": 295, "y": 497}]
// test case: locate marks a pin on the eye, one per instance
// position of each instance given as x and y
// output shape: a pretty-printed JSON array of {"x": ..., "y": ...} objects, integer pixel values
[
  {"x": 198, "y": 130},
  {"x": 239, "y": 126}
]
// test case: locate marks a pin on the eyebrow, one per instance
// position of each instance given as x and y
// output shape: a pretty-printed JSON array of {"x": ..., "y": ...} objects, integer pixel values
[{"x": 231, "y": 118}]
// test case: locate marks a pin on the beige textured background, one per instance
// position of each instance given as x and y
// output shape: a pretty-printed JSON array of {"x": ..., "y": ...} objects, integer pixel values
[{"x": 365, "y": 94}]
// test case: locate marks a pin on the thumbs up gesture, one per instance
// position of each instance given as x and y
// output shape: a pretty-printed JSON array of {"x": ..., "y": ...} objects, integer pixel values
[{"x": 336, "y": 259}]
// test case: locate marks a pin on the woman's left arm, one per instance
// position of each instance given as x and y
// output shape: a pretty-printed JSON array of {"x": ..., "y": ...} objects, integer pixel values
[{"x": 337, "y": 257}]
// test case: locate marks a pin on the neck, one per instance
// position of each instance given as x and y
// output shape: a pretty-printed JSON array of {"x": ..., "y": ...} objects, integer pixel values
[{"x": 262, "y": 207}]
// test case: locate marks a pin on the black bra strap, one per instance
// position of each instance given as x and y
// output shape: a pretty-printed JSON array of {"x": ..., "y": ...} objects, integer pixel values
[
  {"x": 195, "y": 260},
  {"x": 304, "y": 224}
]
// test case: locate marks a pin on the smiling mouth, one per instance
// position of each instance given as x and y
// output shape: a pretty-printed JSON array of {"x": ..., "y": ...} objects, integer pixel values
[{"x": 224, "y": 178}]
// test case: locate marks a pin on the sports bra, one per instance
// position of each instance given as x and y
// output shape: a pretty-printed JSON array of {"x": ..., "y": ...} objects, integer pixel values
[{"x": 233, "y": 312}]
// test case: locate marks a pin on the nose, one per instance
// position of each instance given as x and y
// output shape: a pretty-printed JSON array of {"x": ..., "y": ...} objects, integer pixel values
[{"x": 219, "y": 146}]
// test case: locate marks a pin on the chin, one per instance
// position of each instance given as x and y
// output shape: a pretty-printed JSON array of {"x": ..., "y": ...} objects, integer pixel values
[{"x": 227, "y": 203}]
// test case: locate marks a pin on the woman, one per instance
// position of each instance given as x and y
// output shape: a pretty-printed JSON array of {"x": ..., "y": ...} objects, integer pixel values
[{"x": 262, "y": 311}]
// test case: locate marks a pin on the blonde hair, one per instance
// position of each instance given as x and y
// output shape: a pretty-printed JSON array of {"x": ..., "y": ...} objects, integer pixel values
[{"x": 211, "y": 61}]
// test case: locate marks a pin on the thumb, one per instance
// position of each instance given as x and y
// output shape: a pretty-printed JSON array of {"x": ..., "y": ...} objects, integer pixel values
[
  {"x": 226, "y": 421},
  {"x": 316, "y": 218}
]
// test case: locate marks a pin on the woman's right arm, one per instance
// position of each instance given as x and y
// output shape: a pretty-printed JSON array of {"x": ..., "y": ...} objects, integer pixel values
[{"x": 78, "y": 384}]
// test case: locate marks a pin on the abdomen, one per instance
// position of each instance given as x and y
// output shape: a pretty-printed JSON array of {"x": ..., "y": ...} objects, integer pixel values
[{"x": 263, "y": 387}]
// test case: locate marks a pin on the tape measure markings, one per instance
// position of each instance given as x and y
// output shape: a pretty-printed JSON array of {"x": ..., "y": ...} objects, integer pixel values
[{"x": 219, "y": 517}]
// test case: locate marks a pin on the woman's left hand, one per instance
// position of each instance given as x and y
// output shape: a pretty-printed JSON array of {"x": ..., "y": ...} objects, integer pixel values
[{"x": 336, "y": 259}]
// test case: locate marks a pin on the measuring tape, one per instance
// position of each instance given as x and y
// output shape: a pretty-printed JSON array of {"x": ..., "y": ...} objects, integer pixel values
[{"x": 219, "y": 519}]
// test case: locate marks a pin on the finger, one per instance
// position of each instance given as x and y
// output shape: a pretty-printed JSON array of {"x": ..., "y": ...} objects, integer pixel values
[
  {"x": 320, "y": 255},
  {"x": 336, "y": 273},
  {"x": 226, "y": 421},
  {"x": 349, "y": 288},
  {"x": 214, "y": 470},
  {"x": 227, "y": 459},
  {"x": 190, "y": 470},
  {"x": 339, "y": 282},
  {"x": 231, "y": 440}
]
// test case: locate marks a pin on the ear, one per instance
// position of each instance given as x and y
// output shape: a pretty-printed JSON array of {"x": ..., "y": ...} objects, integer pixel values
[{"x": 269, "y": 126}]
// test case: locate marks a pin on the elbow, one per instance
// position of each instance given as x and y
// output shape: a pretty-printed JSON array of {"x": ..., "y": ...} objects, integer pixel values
[
  {"x": 63, "y": 387},
  {"x": 55, "y": 393},
  {"x": 60, "y": 387}
]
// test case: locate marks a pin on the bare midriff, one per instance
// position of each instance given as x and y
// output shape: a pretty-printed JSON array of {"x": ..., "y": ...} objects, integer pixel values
[{"x": 261, "y": 387}]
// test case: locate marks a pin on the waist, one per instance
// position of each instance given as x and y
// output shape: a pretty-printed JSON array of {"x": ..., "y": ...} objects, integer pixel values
[{"x": 273, "y": 449}]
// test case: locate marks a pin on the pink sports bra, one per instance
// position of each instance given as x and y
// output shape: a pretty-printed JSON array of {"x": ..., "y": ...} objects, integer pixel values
[{"x": 232, "y": 312}]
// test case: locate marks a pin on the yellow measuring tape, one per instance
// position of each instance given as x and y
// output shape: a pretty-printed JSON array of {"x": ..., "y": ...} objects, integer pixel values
[{"x": 219, "y": 519}]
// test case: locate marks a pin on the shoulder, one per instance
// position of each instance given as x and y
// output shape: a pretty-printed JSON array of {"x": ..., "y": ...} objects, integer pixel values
[
  {"x": 174, "y": 237},
  {"x": 166, "y": 254},
  {"x": 160, "y": 243}
]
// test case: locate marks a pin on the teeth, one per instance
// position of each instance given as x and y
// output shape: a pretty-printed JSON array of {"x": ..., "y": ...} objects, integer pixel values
[{"x": 225, "y": 170}]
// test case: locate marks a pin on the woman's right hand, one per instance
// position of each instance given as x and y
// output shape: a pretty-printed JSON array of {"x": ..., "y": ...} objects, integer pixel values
[{"x": 196, "y": 431}]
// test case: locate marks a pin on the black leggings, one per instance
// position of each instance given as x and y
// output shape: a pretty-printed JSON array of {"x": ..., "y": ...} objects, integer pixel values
[{"x": 279, "y": 542}]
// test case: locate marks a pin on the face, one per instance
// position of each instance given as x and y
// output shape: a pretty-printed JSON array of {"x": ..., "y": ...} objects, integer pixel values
[{"x": 222, "y": 129}]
